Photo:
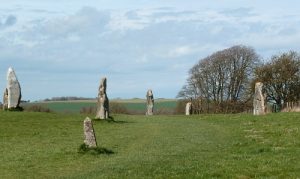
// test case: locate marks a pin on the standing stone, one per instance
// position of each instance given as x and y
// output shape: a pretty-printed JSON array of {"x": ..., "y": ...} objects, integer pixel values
[
  {"x": 5, "y": 99},
  {"x": 150, "y": 102},
  {"x": 103, "y": 103},
  {"x": 89, "y": 134},
  {"x": 258, "y": 101},
  {"x": 188, "y": 108},
  {"x": 12, "y": 93}
]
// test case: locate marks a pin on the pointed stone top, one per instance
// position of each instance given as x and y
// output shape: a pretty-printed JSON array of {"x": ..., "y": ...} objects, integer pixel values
[
  {"x": 10, "y": 69},
  {"x": 149, "y": 92},
  {"x": 103, "y": 81},
  {"x": 87, "y": 119},
  {"x": 258, "y": 84},
  {"x": 11, "y": 75},
  {"x": 103, "y": 85}
]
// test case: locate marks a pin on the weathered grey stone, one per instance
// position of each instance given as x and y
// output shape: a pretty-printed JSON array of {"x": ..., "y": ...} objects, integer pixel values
[
  {"x": 103, "y": 102},
  {"x": 188, "y": 108},
  {"x": 259, "y": 100},
  {"x": 150, "y": 102},
  {"x": 89, "y": 133},
  {"x": 5, "y": 99},
  {"x": 12, "y": 93}
]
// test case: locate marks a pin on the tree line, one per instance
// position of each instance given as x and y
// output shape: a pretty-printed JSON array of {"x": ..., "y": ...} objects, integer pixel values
[
  {"x": 67, "y": 98},
  {"x": 223, "y": 82}
]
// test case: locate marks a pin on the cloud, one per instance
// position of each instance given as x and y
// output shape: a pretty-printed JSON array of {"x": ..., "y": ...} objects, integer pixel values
[
  {"x": 143, "y": 59},
  {"x": 8, "y": 21},
  {"x": 241, "y": 12},
  {"x": 87, "y": 21},
  {"x": 180, "y": 51},
  {"x": 136, "y": 49}
]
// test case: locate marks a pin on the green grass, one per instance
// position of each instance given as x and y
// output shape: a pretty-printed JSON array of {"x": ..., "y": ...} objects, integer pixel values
[
  {"x": 138, "y": 105},
  {"x": 64, "y": 107},
  {"x": 45, "y": 145},
  {"x": 157, "y": 106}
]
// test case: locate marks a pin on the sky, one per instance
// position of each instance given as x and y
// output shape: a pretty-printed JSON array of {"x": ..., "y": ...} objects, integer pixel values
[{"x": 64, "y": 47}]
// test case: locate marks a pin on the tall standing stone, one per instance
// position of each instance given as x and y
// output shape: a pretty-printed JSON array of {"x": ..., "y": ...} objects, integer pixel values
[
  {"x": 259, "y": 100},
  {"x": 103, "y": 103},
  {"x": 150, "y": 102},
  {"x": 12, "y": 93},
  {"x": 188, "y": 108},
  {"x": 89, "y": 133}
]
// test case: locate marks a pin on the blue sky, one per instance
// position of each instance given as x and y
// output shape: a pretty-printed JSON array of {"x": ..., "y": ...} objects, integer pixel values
[{"x": 64, "y": 47}]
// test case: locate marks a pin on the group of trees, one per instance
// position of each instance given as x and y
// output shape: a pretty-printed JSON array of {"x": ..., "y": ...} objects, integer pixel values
[
  {"x": 281, "y": 78},
  {"x": 224, "y": 81},
  {"x": 68, "y": 98}
]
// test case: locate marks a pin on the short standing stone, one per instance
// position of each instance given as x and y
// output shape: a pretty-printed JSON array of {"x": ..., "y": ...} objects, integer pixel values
[
  {"x": 89, "y": 134},
  {"x": 188, "y": 108},
  {"x": 150, "y": 102},
  {"x": 13, "y": 90},
  {"x": 258, "y": 101}
]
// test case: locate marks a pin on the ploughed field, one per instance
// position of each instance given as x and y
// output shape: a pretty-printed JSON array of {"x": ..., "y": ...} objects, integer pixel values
[{"x": 45, "y": 145}]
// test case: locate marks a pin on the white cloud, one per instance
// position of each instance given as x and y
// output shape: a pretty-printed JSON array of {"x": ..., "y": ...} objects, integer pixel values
[
  {"x": 180, "y": 51},
  {"x": 143, "y": 59},
  {"x": 130, "y": 45},
  {"x": 128, "y": 20}
]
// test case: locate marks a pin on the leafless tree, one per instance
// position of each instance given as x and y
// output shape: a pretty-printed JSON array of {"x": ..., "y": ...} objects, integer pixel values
[
  {"x": 219, "y": 82},
  {"x": 281, "y": 77}
]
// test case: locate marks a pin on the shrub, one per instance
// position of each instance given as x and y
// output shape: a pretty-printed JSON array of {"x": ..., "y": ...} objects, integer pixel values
[
  {"x": 164, "y": 111},
  {"x": 204, "y": 107},
  {"x": 118, "y": 108},
  {"x": 180, "y": 107},
  {"x": 15, "y": 109},
  {"x": 114, "y": 108},
  {"x": 88, "y": 110},
  {"x": 36, "y": 108}
]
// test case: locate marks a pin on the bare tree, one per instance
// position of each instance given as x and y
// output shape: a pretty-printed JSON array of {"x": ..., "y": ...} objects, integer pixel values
[
  {"x": 281, "y": 77},
  {"x": 221, "y": 80}
]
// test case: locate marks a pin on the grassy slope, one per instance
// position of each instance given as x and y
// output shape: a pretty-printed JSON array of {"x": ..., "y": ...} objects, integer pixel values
[{"x": 37, "y": 145}]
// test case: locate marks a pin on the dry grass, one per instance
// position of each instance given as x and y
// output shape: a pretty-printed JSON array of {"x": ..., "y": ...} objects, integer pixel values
[{"x": 293, "y": 109}]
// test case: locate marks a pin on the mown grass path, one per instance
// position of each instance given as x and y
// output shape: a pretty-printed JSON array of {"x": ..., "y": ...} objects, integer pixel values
[{"x": 41, "y": 145}]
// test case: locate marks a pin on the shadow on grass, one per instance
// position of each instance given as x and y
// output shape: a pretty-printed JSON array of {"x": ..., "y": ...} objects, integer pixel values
[
  {"x": 84, "y": 149},
  {"x": 111, "y": 120}
]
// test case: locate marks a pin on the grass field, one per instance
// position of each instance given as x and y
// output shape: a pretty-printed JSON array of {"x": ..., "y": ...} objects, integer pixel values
[
  {"x": 137, "y": 105},
  {"x": 45, "y": 145}
]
